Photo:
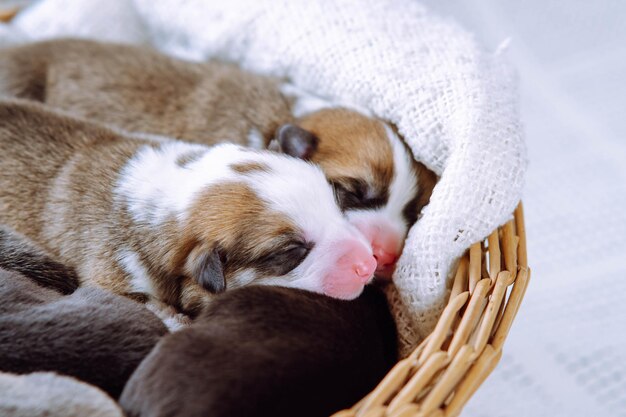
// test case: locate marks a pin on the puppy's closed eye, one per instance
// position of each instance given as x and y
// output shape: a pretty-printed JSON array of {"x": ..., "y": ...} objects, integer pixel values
[
  {"x": 354, "y": 193},
  {"x": 285, "y": 259}
]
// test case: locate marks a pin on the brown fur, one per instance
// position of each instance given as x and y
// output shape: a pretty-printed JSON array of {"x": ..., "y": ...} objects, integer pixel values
[
  {"x": 141, "y": 90},
  {"x": 347, "y": 140},
  {"x": 354, "y": 148},
  {"x": 188, "y": 158},
  {"x": 350, "y": 147},
  {"x": 246, "y": 237},
  {"x": 267, "y": 351},
  {"x": 56, "y": 187},
  {"x": 249, "y": 167},
  {"x": 137, "y": 89}
]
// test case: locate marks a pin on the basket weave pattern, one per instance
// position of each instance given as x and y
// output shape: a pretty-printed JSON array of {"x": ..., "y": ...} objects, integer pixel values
[{"x": 443, "y": 372}]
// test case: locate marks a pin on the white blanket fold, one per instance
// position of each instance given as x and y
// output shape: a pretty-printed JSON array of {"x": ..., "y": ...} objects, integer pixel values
[{"x": 46, "y": 394}]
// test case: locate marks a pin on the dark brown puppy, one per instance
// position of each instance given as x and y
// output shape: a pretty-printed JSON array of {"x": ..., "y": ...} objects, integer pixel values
[
  {"x": 267, "y": 351},
  {"x": 92, "y": 335},
  {"x": 20, "y": 254}
]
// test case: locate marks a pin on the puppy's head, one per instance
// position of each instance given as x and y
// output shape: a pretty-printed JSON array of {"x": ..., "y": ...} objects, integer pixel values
[
  {"x": 378, "y": 184},
  {"x": 270, "y": 219}
]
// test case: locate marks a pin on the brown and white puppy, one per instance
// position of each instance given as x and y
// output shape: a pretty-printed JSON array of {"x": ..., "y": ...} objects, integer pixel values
[
  {"x": 171, "y": 220},
  {"x": 267, "y": 351},
  {"x": 379, "y": 184}
]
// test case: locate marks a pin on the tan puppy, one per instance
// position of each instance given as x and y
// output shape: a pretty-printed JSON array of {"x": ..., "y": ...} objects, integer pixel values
[
  {"x": 378, "y": 183},
  {"x": 169, "y": 220},
  {"x": 141, "y": 90}
]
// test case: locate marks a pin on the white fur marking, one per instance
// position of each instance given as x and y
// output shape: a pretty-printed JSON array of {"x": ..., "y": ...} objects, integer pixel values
[
  {"x": 401, "y": 190},
  {"x": 256, "y": 139},
  {"x": 301, "y": 192},
  {"x": 173, "y": 320},
  {"x": 140, "y": 280},
  {"x": 155, "y": 186},
  {"x": 404, "y": 184},
  {"x": 241, "y": 279}
]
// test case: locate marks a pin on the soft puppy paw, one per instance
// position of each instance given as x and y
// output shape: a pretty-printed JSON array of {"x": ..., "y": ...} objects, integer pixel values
[{"x": 172, "y": 319}]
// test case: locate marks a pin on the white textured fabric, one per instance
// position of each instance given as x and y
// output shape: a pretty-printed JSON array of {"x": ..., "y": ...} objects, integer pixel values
[
  {"x": 110, "y": 20},
  {"x": 10, "y": 36},
  {"x": 46, "y": 394},
  {"x": 455, "y": 103}
]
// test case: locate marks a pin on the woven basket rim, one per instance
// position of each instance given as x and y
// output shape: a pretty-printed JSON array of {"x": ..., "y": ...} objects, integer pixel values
[{"x": 444, "y": 371}]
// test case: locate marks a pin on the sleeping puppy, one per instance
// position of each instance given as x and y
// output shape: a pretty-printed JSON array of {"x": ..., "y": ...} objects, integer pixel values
[
  {"x": 379, "y": 184},
  {"x": 267, "y": 351},
  {"x": 92, "y": 335},
  {"x": 171, "y": 221},
  {"x": 20, "y": 254},
  {"x": 140, "y": 90}
]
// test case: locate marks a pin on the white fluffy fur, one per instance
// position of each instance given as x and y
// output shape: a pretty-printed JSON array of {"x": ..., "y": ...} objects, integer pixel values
[
  {"x": 401, "y": 190},
  {"x": 156, "y": 187},
  {"x": 404, "y": 183},
  {"x": 308, "y": 200},
  {"x": 173, "y": 320},
  {"x": 242, "y": 278},
  {"x": 140, "y": 280},
  {"x": 255, "y": 139}
]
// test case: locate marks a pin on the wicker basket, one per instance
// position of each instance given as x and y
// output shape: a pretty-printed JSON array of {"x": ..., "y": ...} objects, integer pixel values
[{"x": 443, "y": 372}]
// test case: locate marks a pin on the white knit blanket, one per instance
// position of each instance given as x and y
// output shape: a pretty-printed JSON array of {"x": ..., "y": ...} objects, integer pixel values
[
  {"x": 454, "y": 103},
  {"x": 47, "y": 394}
]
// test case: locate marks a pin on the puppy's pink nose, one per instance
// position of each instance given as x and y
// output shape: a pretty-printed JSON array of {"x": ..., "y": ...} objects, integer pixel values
[
  {"x": 383, "y": 257},
  {"x": 352, "y": 270},
  {"x": 365, "y": 268}
]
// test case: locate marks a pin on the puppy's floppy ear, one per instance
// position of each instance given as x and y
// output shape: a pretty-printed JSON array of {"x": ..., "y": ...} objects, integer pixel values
[
  {"x": 295, "y": 141},
  {"x": 205, "y": 266}
]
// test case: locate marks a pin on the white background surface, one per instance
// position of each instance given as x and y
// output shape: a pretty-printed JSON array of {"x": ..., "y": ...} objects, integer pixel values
[{"x": 566, "y": 354}]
